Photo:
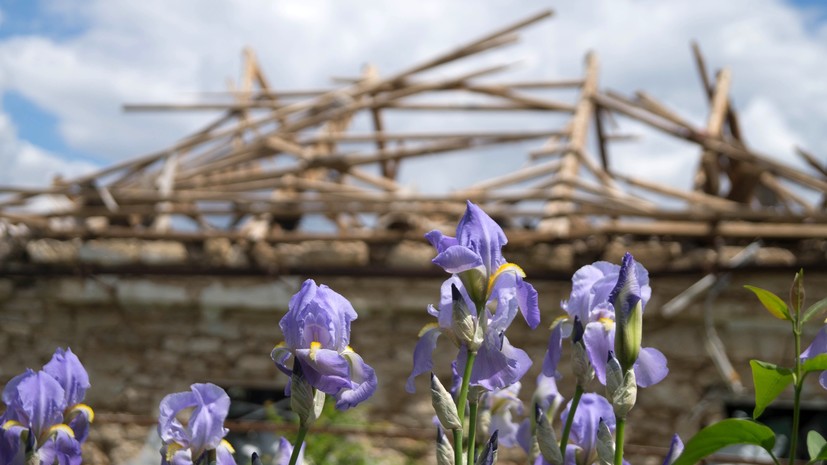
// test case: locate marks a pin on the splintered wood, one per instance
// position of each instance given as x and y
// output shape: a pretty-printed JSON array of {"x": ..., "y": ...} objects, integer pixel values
[{"x": 289, "y": 165}]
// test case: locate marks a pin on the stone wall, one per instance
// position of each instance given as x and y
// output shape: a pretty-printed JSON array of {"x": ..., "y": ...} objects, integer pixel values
[{"x": 142, "y": 337}]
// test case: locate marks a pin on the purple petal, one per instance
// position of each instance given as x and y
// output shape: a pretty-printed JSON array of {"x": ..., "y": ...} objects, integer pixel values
[
  {"x": 66, "y": 368},
  {"x": 555, "y": 349},
  {"x": 42, "y": 399},
  {"x": 496, "y": 367},
  {"x": 477, "y": 231},
  {"x": 529, "y": 306},
  {"x": 285, "y": 451},
  {"x": 327, "y": 370},
  {"x": 169, "y": 428},
  {"x": 80, "y": 423},
  {"x": 650, "y": 367},
  {"x": 440, "y": 241},
  {"x": 206, "y": 424},
  {"x": 599, "y": 341},
  {"x": 626, "y": 293},
  {"x": 583, "y": 288},
  {"x": 364, "y": 382},
  {"x": 507, "y": 428},
  {"x": 280, "y": 356},
  {"x": 591, "y": 409},
  {"x": 223, "y": 456},
  {"x": 524, "y": 436},
  {"x": 675, "y": 450},
  {"x": 546, "y": 394},
  {"x": 446, "y": 301},
  {"x": 822, "y": 379},
  {"x": 457, "y": 258},
  {"x": 818, "y": 346},
  {"x": 61, "y": 449},
  {"x": 12, "y": 448},
  {"x": 423, "y": 356}
]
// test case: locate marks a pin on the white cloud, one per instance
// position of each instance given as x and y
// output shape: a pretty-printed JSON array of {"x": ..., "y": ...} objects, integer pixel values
[{"x": 156, "y": 50}]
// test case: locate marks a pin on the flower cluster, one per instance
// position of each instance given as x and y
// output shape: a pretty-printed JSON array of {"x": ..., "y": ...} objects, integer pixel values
[
  {"x": 45, "y": 419},
  {"x": 477, "y": 304}
]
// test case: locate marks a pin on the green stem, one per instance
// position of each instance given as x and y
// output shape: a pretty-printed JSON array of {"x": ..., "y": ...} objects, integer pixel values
[
  {"x": 457, "y": 447},
  {"x": 619, "y": 437},
  {"x": 578, "y": 393},
  {"x": 774, "y": 458},
  {"x": 461, "y": 401},
  {"x": 297, "y": 447},
  {"x": 799, "y": 383},
  {"x": 472, "y": 430}
]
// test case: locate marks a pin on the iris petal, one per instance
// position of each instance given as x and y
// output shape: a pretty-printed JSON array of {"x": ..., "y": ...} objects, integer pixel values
[
  {"x": 496, "y": 366},
  {"x": 423, "y": 356},
  {"x": 206, "y": 424},
  {"x": 66, "y": 368},
  {"x": 363, "y": 378},
  {"x": 328, "y": 371},
  {"x": 650, "y": 367},
  {"x": 457, "y": 258},
  {"x": 42, "y": 400},
  {"x": 599, "y": 339}
]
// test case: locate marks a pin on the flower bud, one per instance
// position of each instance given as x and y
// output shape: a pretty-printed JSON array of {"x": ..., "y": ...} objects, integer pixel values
[
  {"x": 488, "y": 455},
  {"x": 605, "y": 444},
  {"x": 444, "y": 405},
  {"x": 305, "y": 401},
  {"x": 546, "y": 439},
  {"x": 614, "y": 376},
  {"x": 444, "y": 450},
  {"x": 476, "y": 283},
  {"x": 628, "y": 306},
  {"x": 626, "y": 396},
  {"x": 463, "y": 323},
  {"x": 797, "y": 292},
  {"x": 255, "y": 459},
  {"x": 580, "y": 363}
]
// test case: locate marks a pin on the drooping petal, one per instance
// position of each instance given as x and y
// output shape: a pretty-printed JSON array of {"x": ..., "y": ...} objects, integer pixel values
[
  {"x": 326, "y": 370},
  {"x": 650, "y": 367},
  {"x": 12, "y": 447},
  {"x": 169, "y": 428},
  {"x": 423, "y": 356},
  {"x": 555, "y": 349},
  {"x": 61, "y": 449},
  {"x": 80, "y": 419},
  {"x": 528, "y": 301},
  {"x": 66, "y": 368},
  {"x": 363, "y": 379},
  {"x": 280, "y": 354},
  {"x": 477, "y": 231},
  {"x": 224, "y": 454},
  {"x": 206, "y": 424},
  {"x": 497, "y": 365},
  {"x": 11, "y": 397},
  {"x": 818, "y": 346},
  {"x": 457, "y": 258},
  {"x": 524, "y": 437},
  {"x": 591, "y": 409},
  {"x": 599, "y": 339},
  {"x": 43, "y": 401}
]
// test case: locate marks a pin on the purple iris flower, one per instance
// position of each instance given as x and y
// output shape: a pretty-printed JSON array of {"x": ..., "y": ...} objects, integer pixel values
[
  {"x": 675, "y": 450},
  {"x": 818, "y": 347},
  {"x": 44, "y": 414},
  {"x": 476, "y": 255},
  {"x": 591, "y": 302},
  {"x": 204, "y": 432},
  {"x": 317, "y": 333},
  {"x": 498, "y": 364}
]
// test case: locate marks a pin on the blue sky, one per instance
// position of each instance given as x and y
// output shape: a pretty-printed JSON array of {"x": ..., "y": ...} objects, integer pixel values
[{"x": 159, "y": 51}]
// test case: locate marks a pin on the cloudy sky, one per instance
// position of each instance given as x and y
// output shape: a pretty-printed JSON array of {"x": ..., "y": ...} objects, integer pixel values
[{"x": 67, "y": 66}]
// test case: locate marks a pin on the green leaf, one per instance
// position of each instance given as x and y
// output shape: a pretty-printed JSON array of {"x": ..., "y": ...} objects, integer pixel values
[
  {"x": 814, "y": 310},
  {"x": 816, "y": 446},
  {"x": 772, "y": 302},
  {"x": 770, "y": 380},
  {"x": 817, "y": 363},
  {"x": 725, "y": 433}
]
